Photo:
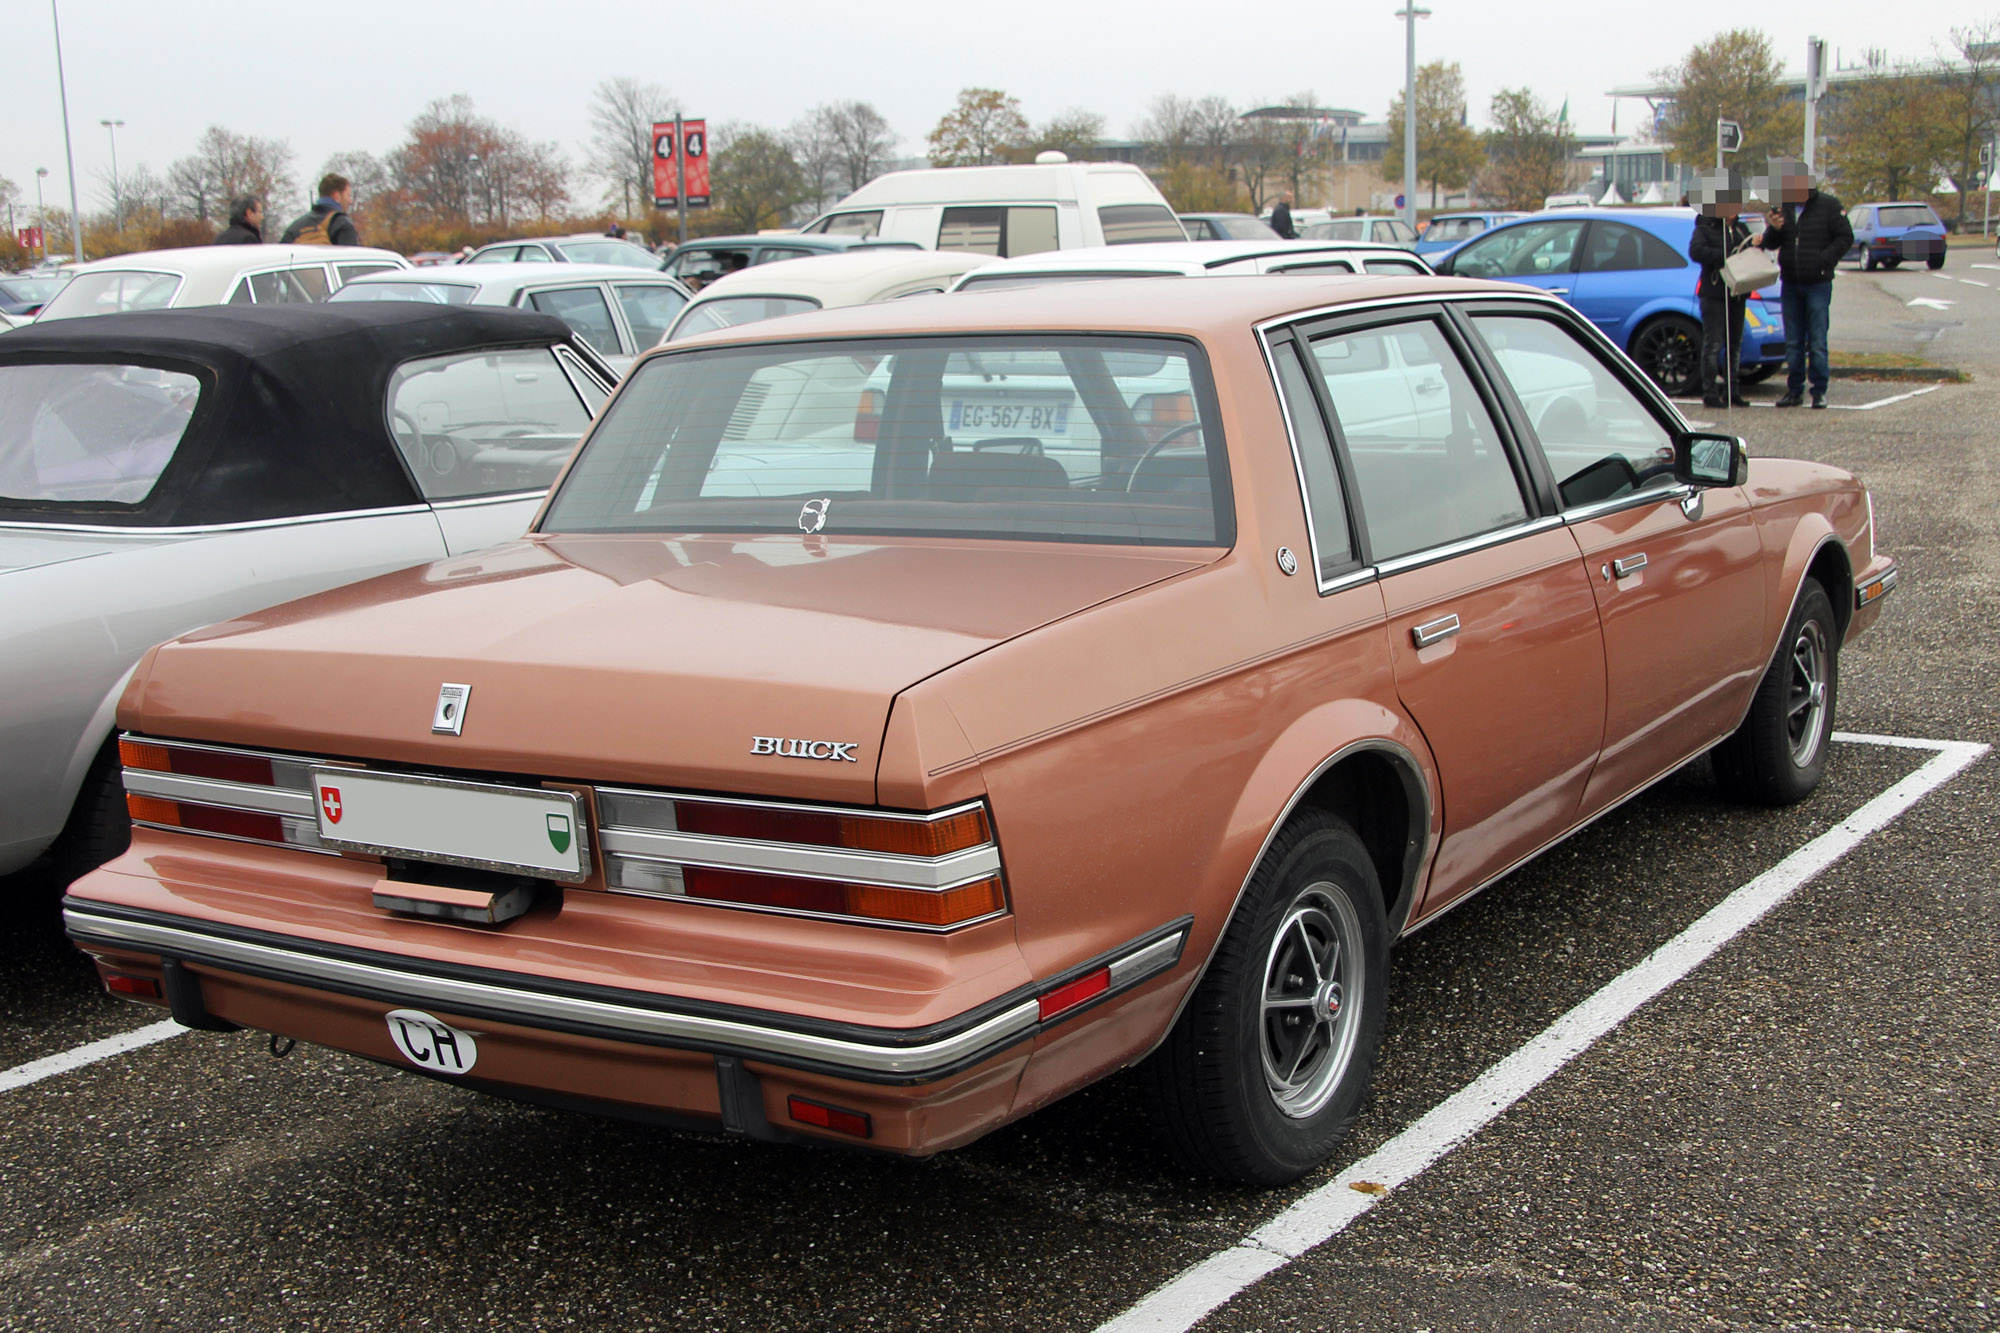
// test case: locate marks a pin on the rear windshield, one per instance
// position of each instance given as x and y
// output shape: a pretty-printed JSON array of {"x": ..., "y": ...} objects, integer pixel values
[
  {"x": 485, "y": 423},
  {"x": 90, "y": 433},
  {"x": 1906, "y": 215},
  {"x": 437, "y": 293},
  {"x": 109, "y": 293},
  {"x": 726, "y": 312},
  {"x": 1349, "y": 229},
  {"x": 1134, "y": 224},
  {"x": 1089, "y": 439},
  {"x": 995, "y": 282},
  {"x": 867, "y": 223},
  {"x": 622, "y": 253}
]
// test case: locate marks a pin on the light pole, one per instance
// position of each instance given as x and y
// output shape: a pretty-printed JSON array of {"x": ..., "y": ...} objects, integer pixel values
[
  {"x": 69, "y": 153},
  {"x": 41, "y": 216},
  {"x": 1409, "y": 13},
  {"x": 117, "y": 200}
]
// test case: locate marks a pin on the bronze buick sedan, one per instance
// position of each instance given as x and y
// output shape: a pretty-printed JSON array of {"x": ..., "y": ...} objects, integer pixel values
[{"x": 899, "y": 717}]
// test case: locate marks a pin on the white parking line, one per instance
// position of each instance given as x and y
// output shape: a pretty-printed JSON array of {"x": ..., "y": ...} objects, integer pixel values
[
  {"x": 1831, "y": 407},
  {"x": 1331, "y": 1208},
  {"x": 1974, "y": 282},
  {"x": 20, "y": 1076},
  {"x": 1994, "y": 267}
]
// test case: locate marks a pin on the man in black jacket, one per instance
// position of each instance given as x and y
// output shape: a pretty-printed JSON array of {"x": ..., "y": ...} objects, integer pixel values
[
  {"x": 1281, "y": 216},
  {"x": 326, "y": 222},
  {"x": 1718, "y": 234},
  {"x": 246, "y": 222},
  {"x": 1809, "y": 230}
]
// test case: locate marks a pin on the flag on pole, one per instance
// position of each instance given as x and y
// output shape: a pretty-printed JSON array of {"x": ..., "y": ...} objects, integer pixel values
[{"x": 1562, "y": 117}]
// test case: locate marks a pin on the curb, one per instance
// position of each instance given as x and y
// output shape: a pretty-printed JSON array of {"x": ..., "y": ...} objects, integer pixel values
[{"x": 1921, "y": 374}]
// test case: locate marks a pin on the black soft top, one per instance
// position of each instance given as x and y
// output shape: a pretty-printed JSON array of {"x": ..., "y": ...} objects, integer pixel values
[{"x": 293, "y": 417}]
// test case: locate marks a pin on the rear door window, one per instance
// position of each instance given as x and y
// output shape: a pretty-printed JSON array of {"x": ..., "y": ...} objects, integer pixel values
[
  {"x": 1427, "y": 459},
  {"x": 1617, "y": 248},
  {"x": 1000, "y": 229},
  {"x": 865, "y": 223},
  {"x": 499, "y": 254},
  {"x": 585, "y": 310},
  {"x": 287, "y": 286},
  {"x": 1397, "y": 267},
  {"x": 485, "y": 423},
  {"x": 90, "y": 433},
  {"x": 349, "y": 272},
  {"x": 113, "y": 292},
  {"x": 650, "y": 308},
  {"x": 1529, "y": 249}
]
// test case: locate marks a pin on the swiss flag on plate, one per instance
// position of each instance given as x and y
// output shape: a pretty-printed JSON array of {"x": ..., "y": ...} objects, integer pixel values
[{"x": 329, "y": 803}]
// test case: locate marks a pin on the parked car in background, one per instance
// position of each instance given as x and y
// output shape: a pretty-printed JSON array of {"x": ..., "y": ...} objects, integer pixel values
[
  {"x": 214, "y": 275},
  {"x": 22, "y": 295},
  {"x": 855, "y": 278},
  {"x": 618, "y": 311},
  {"x": 165, "y": 469},
  {"x": 1009, "y": 210},
  {"x": 1628, "y": 271},
  {"x": 432, "y": 258},
  {"x": 983, "y": 742},
  {"x": 1380, "y": 230},
  {"x": 1447, "y": 230},
  {"x": 1195, "y": 259},
  {"x": 700, "y": 262},
  {"x": 1888, "y": 234},
  {"x": 1226, "y": 227},
  {"x": 589, "y": 248}
]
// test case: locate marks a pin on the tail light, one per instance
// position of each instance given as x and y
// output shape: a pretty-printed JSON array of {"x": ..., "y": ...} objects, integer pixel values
[
  {"x": 841, "y": 1121},
  {"x": 243, "y": 794},
  {"x": 868, "y": 415},
  {"x": 936, "y": 871}
]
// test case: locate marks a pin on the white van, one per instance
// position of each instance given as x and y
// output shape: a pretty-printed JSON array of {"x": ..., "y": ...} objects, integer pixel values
[{"x": 1006, "y": 211}]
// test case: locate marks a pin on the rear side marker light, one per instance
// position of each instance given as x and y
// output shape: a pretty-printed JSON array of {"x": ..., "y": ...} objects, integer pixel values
[
  {"x": 817, "y": 828},
  {"x": 141, "y": 988},
  {"x": 1086, "y": 987},
  {"x": 853, "y": 1123}
]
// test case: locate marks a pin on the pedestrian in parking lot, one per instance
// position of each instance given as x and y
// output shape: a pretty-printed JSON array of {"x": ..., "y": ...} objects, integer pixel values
[
  {"x": 1809, "y": 230},
  {"x": 246, "y": 222},
  {"x": 1719, "y": 233},
  {"x": 1281, "y": 216},
  {"x": 326, "y": 222}
]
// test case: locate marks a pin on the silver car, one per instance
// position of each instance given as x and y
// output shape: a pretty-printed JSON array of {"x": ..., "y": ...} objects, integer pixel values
[{"x": 165, "y": 470}]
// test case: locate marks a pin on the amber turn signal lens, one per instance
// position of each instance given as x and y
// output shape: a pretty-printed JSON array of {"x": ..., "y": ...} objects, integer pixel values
[
  {"x": 252, "y": 769},
  {"x": 151, "y": 809},
  {"x": 144, "y": 754}
]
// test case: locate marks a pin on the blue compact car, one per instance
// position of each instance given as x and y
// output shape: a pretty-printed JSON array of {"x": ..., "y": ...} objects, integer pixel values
[
  {"x": 1887, "y": 234},
  {"x": 1446, "y": 231},
  {"x": 1628, "y": 271}
]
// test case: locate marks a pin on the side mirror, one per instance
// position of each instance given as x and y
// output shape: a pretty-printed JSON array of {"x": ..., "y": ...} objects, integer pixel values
[
  {"x": 1707, "y": 458},
  {"x": 1443, "y": 266}
]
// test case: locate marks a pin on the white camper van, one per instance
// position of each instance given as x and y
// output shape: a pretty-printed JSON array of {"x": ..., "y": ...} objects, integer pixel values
[{"x": 1017, "y": 210}]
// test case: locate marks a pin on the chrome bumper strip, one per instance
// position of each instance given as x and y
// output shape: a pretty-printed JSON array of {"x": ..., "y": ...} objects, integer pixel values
[
  {"x": 214, "y": 791},
  {"x": 515, "y": 1004}
]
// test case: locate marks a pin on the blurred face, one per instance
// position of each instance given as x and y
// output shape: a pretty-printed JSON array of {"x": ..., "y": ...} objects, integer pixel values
[
  {"x": 345, "y": 198},
  {"x": 1790, "y": 182},
  {"x": 254, "y": 215}
]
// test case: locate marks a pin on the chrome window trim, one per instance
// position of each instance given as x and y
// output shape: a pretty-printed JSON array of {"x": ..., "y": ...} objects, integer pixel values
[
  {"x": 481, "y": 501},
  {"x": 1298, "y": 462},
  {"x": 1526, "y": 297},
  {"x": 933, "y": 874},
  {"x": 525, "y": 1006},
  {"x": 1680, "y": 490},
  {"x": 202, "y": 529},
  {"x": 1352, "y": 579},
  {"x": 215, "y": 791},
  {"x": 1432, "y": 555}
]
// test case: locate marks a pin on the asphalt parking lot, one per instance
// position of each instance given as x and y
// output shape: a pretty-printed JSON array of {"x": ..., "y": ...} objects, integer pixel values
[{"x": 1801, "y": 1133}]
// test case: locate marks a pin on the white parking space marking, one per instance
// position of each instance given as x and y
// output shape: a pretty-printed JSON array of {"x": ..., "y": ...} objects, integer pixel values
[
  {"x": 1974, "y": 282},
  {"x": 20, "y": 1076},
  {"x": 1330, "y": 1209},
  {"x": 1994, "y": 267},
  {"x": 1831, "y": 407}
]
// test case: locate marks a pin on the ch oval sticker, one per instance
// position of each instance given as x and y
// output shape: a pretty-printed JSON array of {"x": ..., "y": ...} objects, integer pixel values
[{"x": 432, "y": 1044}]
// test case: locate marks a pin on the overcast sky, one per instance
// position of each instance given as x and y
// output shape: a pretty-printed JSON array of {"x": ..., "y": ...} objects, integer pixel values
[{"x": 351, "y": 74}]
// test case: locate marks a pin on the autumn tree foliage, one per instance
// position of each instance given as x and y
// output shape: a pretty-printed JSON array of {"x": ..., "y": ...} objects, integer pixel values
[
  {"x": 979, "y": 131},
  {"x": 1528, "y": 151},
  {"x": 1448, "y": 150},
  {"x": 623, "y": 112},
  {"x": 1733, "y": 76},
  {"x": 459, "y": 172}
]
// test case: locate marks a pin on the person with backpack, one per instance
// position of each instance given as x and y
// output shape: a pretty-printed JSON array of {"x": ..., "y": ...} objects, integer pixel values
[{"x": 327, "y": 223}]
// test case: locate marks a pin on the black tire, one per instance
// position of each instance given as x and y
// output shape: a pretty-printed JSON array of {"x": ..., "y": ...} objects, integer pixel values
[
  {"x": 1778, "y": 755},
  {"x": 1868, "y": 263},
  {"x": 1755, "y": 374},
  {"x": 99, "y": 826},
  {"x": 1936, "y": 259},
  {"x": 1669, "y": 349},
  {"x": 1258, "y": 1084}
]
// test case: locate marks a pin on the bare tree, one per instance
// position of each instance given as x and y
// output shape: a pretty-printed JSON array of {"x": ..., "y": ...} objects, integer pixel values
[
  {"x": 981, "y": 128},
  {"x": 1075, "y": 133},
  {"x": 814, "y": 141},
  {"x": 1172, "y": 126},
  {"x": 866, "y": 142},
  {"x": 366, "y": 172},
  {"x": 623, "y": 112},
  {"x": 225, "y": 164},
  {"x": 1967, "y": 85}
]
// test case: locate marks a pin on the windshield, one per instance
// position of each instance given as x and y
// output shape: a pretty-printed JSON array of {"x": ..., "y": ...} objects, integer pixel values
[
  {"x": 726, "y": 312},
  {"x": 1086, "y": 438},
  {"x": 110, "y": 292},
  {"x": 90, "y": 433},
  {"x": 437, "y": 293}
]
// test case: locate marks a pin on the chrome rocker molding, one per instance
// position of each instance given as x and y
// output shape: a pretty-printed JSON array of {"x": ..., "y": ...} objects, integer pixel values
[{"x": 870, "y": 1055}]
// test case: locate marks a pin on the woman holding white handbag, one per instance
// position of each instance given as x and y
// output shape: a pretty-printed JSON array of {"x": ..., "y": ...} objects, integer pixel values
[{"x": 1719, "y": 235}]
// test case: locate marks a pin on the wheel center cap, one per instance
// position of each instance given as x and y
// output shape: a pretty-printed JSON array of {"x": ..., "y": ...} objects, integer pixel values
[{"x": 1326, "y": 1000}]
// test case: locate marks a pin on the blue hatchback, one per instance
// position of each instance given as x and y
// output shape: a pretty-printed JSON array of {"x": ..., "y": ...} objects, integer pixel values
[
  {"x": 1887, "y": 234},
  {"x": 1628, "y": 271},
  {"x": 1446, "y": 231}
]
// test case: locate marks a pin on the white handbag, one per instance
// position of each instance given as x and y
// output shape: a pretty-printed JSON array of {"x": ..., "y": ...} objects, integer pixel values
[{"x": 1748, "y": 269}]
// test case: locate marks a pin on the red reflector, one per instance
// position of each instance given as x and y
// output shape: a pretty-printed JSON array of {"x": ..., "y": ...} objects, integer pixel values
[
  {"x": 255, "y": 770},
  {"x": 830, "y": 1117},
  {"x": 144, "y": 987},
  {"x": 231, "y": 823},
  {"x": 1086, "y": 987},
  {"x": 921, "y": 907},
  {"x": 818, "y": 828}
]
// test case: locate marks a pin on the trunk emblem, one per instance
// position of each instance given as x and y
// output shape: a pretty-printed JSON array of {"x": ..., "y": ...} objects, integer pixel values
[
  {"x": 559, "y": 832},
  {"x": 449, "y": 719},
  {"x": 798, "y": 749},
  {"x": 329, "y": 803},
  {"x": 813, "y": 516}
]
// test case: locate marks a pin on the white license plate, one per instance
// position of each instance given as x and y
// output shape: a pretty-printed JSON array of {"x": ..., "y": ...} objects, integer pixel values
[
  {"x": 524, "y": 830},
  {"x": 1018, "y": 418}
]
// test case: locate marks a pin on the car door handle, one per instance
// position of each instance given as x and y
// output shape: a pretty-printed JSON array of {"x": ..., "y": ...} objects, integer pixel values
[
  {"x": 1430, "y": 386},
  {"x": 1433, "y": 631},
  {"x": 1626, "y": 566},
  {"x": 1557, "y": 291}
]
